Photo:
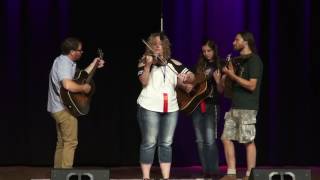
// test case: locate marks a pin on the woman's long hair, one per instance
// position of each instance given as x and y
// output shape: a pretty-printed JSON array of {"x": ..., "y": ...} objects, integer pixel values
[
  {"x": 165, "y": 44},
  {"x": 202, "y": 62}
]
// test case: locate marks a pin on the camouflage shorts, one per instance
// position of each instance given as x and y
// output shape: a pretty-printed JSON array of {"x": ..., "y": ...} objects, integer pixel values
[{"x": 239, "y": 125}]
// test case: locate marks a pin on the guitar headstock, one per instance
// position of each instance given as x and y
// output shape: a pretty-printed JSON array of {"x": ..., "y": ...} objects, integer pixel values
[
  {"x": 100, "y": 53},
  {"x": 228, "y": 58}
]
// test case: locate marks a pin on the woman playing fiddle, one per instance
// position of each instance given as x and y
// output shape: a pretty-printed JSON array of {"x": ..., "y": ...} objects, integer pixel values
[{"x": 157, "y": 106}]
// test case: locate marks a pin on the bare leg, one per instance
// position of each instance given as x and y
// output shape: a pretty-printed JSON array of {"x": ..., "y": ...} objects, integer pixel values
[
  {"x": 251, "y": 156},
  {"x": 145, "y": 170},
  {"x": 229, "y": 153},
  {"x": 165, "y": 170}
]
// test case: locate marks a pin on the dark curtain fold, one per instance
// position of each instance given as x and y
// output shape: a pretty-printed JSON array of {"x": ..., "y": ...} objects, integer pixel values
[
  {"x": 287, "y": 36},
  {"x": 31, "y": 33},
  {"x": 285, "y": 32}
]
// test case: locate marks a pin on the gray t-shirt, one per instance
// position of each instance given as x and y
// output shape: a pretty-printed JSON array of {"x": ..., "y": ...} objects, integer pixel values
[
  {"x": 242, "y": 98},
  {"x": 63, "y": 68}
]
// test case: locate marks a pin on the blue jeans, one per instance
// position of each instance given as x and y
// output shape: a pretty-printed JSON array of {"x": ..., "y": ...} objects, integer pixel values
[
  {"x": 205, "y": 126},
  {"x": 157, "y": 130}
]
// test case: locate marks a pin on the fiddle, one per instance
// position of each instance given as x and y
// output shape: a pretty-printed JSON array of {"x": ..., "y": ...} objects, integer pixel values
[
  {"x": 156, "y": 58},
  {"x": 150, "y": 57}
]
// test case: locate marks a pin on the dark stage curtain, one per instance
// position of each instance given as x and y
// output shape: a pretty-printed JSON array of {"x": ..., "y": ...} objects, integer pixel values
[
  {"x": 286, "y": 33},
  {"x": 31, "y": 32}
]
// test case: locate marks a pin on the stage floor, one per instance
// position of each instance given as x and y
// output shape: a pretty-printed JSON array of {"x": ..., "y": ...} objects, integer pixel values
[{"x": 186, "y": 173}]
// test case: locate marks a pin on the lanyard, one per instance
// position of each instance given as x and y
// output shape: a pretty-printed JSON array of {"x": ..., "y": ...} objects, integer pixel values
[{"x": 164, "y": 70}]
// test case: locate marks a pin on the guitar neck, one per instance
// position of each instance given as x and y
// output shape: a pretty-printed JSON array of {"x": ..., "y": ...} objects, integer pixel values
[
  {"x": 92, "y": 73},
  {"x": 100, "y": 54}
]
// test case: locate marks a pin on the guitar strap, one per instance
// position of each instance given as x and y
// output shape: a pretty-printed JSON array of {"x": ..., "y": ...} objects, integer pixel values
[{"x": 54, "y": 87}]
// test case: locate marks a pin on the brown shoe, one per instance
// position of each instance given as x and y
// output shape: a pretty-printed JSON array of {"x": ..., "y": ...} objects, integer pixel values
[
  {"x": 229, "y": 177},
  {"x": 245, "y": 178},
  {"x": 210, "y": 175}
]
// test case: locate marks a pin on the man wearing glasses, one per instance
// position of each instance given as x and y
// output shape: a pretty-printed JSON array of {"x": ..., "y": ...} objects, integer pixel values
[{"x": 61, "y": 75}]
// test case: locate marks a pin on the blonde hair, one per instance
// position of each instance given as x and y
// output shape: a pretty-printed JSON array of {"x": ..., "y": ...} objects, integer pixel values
[{"x": 165, "y": 44}]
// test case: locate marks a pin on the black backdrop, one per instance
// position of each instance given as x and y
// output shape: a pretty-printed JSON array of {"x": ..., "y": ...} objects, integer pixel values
[
  {"x": 31, "y": 33},
  {"x": 109, "y": 135}
]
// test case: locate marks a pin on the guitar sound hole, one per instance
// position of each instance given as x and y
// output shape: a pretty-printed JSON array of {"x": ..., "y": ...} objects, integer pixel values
[{"x": 192, "y": 92}]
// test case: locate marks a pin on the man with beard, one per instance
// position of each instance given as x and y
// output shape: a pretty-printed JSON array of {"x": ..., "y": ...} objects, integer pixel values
[{"x": 245, "y": 73}]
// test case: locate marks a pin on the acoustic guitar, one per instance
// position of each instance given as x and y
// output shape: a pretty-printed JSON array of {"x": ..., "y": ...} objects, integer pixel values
[
  {"x": 228, "y": 81},
  {"x": 188, "y": 100},
  {"x": 78, "y": 103},
  {"x": 238, "y": 69}
]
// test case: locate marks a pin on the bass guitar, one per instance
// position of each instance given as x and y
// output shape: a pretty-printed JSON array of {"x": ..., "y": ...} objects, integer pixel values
[{"x": 78, "y": 103}]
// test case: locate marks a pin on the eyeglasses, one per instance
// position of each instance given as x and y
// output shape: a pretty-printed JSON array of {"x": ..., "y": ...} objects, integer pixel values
[{"x": 81, "y": 51}]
